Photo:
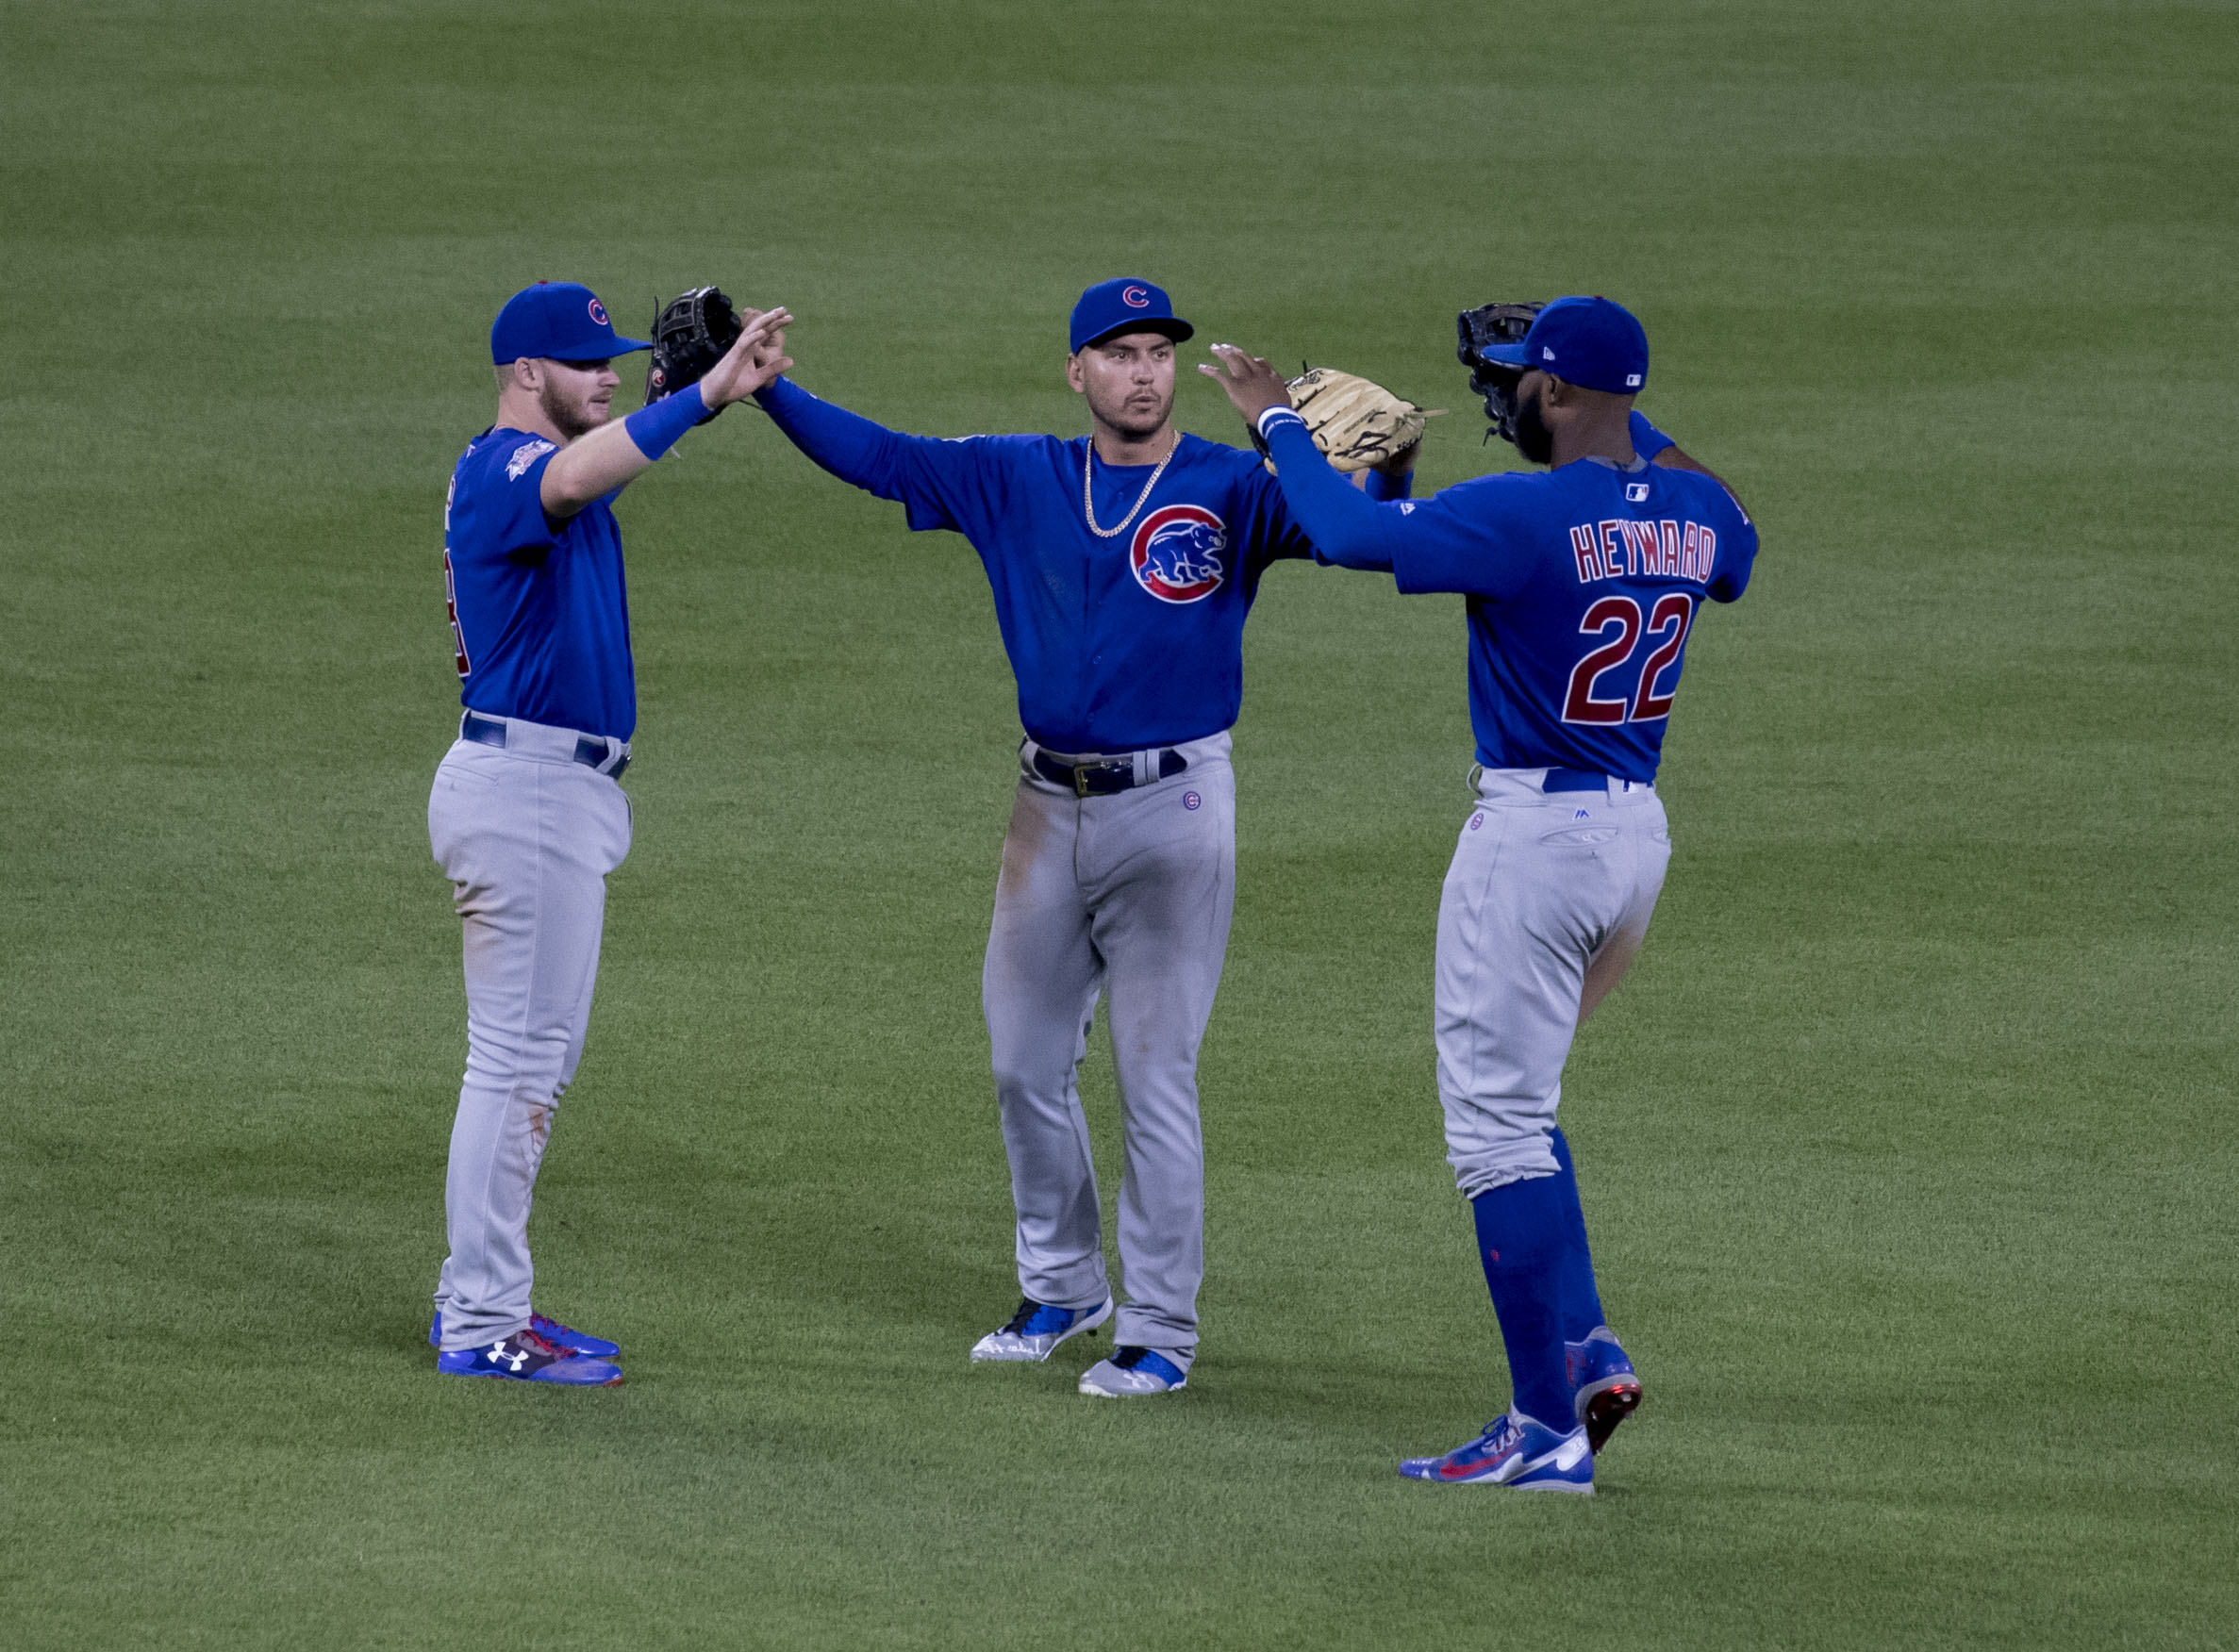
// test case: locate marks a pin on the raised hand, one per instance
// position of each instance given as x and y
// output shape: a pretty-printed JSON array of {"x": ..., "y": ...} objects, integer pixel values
[
  {"x": 1250, "y": 382},
  {"x": 756, "y": 359}
]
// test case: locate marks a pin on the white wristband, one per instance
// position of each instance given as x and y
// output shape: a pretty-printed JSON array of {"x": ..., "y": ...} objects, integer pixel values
[{"x": 1271, "y": 412}]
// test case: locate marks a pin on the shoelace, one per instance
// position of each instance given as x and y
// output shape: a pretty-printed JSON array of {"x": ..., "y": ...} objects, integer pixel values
[
  {"x": 538, "y": 1345},
  {"x": 1498, "y": 1435},
  {"x": 1028, "y": 1308}
]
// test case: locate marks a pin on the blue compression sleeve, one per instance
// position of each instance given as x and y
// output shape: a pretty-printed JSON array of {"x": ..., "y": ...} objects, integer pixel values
[
  {"x": 1648, "y": 441},
  {"x": 1384, "y": 486},
  {"x": 659, "y": 425},
  {"x": 852, "y": 448},
  {"x": 1346, "y": 525}
]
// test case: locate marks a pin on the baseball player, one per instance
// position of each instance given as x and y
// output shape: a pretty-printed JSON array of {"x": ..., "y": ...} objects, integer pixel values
[
  {"x": 526, "y": 818},
  {"x": 1581, "y": 585},
  {"x": 1123, "y": 564}
]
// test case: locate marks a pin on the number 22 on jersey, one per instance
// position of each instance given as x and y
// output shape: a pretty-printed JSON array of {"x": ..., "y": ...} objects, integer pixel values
[{"x": 1619, "y": 622}]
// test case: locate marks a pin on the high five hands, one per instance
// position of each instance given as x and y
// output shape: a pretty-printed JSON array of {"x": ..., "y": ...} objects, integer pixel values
[
  {"x": 1250, "y": 382},
  {"x": 1254, "y": 386},
  {"x": 754, "y": 360}
]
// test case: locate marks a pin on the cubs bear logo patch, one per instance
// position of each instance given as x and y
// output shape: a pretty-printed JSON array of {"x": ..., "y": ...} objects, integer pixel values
[{"x": 1177, "y": 552}]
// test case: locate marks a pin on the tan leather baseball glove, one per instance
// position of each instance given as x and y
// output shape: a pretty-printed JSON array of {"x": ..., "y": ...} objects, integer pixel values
[{"x": 1355, "y": 422}]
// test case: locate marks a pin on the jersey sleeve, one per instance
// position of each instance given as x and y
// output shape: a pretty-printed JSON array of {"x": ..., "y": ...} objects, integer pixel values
[
  {"x": 505, "y": 501},
  {"x": 1448, "y": 542},
  {"x": 961, "y": 484},
  {"x": 1479, "y": 538},
  {"x": 1273, "y": 531},
  {"x": 1737, "y": 554},
  {"x": 1265, "y": 524}
]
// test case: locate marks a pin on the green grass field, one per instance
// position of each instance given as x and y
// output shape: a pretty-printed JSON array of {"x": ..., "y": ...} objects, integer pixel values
[{"x": 1909, "y": 1148}]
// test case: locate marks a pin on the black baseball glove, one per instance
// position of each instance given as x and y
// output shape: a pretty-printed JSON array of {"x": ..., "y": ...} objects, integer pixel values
[
  {"x": 1488, "y": 324},
  {"x": 693, "y": 332}
]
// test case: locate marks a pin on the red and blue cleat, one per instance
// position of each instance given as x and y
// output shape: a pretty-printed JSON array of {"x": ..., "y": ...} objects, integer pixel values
[
  {"x": 1513, "y": 1451},
  {"x": 1603, "y": 1389},
  {"x": 564, "y": 1337},
  {"x": 526, "y": 1356}
]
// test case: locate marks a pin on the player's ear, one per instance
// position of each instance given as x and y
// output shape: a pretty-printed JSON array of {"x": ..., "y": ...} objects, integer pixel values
[{"x": 1073, "y": 375}]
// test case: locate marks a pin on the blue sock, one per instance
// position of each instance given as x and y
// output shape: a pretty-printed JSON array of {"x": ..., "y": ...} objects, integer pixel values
[
  {"x": 1520, "y": 1239},
  {"x": 1581, "y": 1302}
]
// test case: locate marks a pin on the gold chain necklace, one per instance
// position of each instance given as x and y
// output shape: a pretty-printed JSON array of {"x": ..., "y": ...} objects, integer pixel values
[{"x": 1089, "y": 502}]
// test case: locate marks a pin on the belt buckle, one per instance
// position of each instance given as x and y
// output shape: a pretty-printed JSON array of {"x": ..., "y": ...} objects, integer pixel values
[{"x": 1120, "y": 768}]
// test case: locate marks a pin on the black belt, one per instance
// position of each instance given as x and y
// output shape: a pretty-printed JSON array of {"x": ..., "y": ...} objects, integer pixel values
[
  {"x": 488, "y": 731},
  {"x": 1103, "y": 777}
]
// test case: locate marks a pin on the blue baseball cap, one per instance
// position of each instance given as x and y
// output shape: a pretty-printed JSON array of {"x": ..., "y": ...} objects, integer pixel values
[
  {"x": 1125, "y": 304},
  {"x": 1589, "y": 341},
  {"x": 560, "y": 319}
]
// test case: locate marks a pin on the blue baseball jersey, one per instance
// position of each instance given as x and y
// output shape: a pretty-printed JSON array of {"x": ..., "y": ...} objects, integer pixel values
[
  {"x": 1582, "y": 585},
  {"x": 539, "y": 617},
  {"x": 1119, "y": 643}
]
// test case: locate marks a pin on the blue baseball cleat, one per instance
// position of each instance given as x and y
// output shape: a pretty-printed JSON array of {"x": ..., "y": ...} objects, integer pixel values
[
  {"x": 1513, "y": 1451},
  {"x": 1036, "y": 1329},
  {"x": 526, "y": 1356},
  {"x": 1132, "y": 1371},
  {"x": 1604, "y": 1391},
  {"x": 564, "y": 1337}
]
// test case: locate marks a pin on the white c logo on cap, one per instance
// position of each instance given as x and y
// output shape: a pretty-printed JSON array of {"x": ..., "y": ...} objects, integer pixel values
[{"x": 1135, "y": 297}]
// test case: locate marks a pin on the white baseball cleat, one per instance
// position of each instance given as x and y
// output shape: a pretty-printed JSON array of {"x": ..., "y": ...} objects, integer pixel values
[
  {"x": 1132, "y": 1371},
  {"x": 1036, "y": 1329}
]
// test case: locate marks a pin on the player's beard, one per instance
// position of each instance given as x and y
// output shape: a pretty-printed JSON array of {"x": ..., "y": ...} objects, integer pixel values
[
  {"x": 569, "y": 416},
  {"x": 1533, "y": 437},
  {"x": 1136, "y": 423}
]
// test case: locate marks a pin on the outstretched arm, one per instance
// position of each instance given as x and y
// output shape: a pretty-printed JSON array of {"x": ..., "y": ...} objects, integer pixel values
[
  {"x": 614, "y": 455},
  {"x": 1346, "y": 526},
  {"x": 854, "y": 449}
]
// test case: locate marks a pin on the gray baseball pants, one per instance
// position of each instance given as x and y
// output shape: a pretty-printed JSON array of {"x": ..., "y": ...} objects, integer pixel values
[
  {"x": 527, "y": 835},
  {"x": 1544, "y": 886},
  {"x": 1126, "y": 897}
]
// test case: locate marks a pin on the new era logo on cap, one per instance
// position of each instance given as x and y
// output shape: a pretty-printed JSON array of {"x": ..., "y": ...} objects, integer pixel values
[{"x": 1633, "y": 381}]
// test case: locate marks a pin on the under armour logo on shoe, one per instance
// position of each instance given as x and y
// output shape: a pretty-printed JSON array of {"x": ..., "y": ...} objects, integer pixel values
[{"x": 512, "y": 1359}]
